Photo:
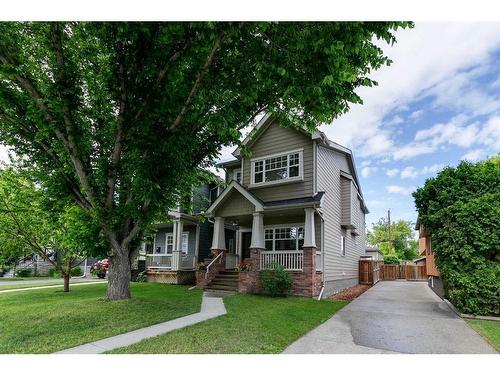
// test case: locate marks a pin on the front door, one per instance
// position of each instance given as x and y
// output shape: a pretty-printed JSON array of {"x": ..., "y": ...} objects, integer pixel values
[{"x": 246, "y": 240}]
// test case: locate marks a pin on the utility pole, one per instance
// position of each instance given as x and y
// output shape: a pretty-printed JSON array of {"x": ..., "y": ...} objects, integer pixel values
[{"x": 389, "y": 245}]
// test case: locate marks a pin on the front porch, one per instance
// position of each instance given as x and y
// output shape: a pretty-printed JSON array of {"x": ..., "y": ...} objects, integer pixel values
[
  {"x": 266, "y": 236},
  {"x": 172, "y": 255}
]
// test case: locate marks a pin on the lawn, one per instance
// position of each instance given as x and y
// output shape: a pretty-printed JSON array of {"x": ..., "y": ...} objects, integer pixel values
[
  {"x": 489, "y": 329},
  {"x": 253, "y": 324},
  {"x": 40, "y": 283},
  {"x": 47, "y": 320}
]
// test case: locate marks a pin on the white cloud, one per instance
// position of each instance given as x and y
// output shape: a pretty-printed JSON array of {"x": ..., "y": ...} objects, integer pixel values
[
  {"x": 473, "y": 155},
  {"x": 368, "y": 171},
  {"x": 411, "y": 150},
  {"x": 423, "y": 57},
  {"x": 409, "y": 172},
  {"x": 396, "y": 189},
  {"x": 415, "y": 115},
  {"x": 431, "y": 169},
  {"x": 392, "y": 172}
]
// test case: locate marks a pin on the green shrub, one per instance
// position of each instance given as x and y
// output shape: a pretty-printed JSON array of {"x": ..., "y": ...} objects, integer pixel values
[
  {"x": 141, "y": 277},
  {"x": 55, "y": 273},
  {"x": 461, "y": 208},
  {"x": 276, "y": 282},
  {"x": 24, "y": 272},
  {"x": 391, "y": 259},
  {"x": 76, "y": 271}
]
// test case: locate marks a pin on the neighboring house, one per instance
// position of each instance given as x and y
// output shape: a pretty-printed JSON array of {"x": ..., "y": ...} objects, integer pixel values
[
  {"x": 427, "y": 258},
  {"x": 374, "y": 253},
  {"x": 294, "y": 201},
  {"x": 182, "y": 241}
]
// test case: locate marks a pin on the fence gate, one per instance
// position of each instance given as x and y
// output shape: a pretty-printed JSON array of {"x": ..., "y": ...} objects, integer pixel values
[{"x": 403, "y": 272}]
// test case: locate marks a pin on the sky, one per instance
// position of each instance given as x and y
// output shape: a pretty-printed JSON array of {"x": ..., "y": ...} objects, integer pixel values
[{"x": 437, "y": 104}]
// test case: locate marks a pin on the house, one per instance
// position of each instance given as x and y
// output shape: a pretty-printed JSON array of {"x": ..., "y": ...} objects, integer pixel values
[
  {"x": 427, "y": 258},
  {"x": 373, "y": 253},
  {"x": 182, "y": 240},
  {"x": 293, "y": 200}
]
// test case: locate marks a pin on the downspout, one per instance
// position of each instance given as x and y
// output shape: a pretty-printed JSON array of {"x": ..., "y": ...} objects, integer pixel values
[{"x": 322, "y": 254}]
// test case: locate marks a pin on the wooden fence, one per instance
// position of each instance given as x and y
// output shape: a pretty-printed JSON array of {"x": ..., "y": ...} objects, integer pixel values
[
  {"x": 372, "y": 271},
  {"x": 369, "y": 271}
]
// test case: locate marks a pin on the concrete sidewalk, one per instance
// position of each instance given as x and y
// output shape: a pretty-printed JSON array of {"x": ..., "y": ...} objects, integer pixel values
[
  {"x": 211, "y": 307},
  {"x": 394, "y": 317},
  {"x": 56, "y": 285}
]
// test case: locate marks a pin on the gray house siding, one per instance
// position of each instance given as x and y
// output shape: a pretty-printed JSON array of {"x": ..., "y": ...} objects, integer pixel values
[
  {"x": 276, "y": 139},
  {"x": 340, "y": 271},
  {"x": 235, "y": 205},
  {"x": 206, "y": 233}
]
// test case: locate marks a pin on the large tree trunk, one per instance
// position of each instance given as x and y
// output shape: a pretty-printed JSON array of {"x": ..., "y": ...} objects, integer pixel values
[{"x": 119, "y": 276}]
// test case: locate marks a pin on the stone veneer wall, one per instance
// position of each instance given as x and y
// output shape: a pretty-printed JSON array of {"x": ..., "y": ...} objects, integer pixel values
[{"x": 170, "y": 277}]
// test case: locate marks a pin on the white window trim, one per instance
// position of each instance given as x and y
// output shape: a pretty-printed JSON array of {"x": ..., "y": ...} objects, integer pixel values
[
  {"x": 294, "y": 225},
  {"x": 300, "y": 177},
  {"x": 343, "y": 246},
  {"x": 167, "y": 235},
  {"x": 187, "y": 242}
]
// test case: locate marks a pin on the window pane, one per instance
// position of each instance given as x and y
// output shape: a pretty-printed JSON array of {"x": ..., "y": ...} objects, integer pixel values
[
  {"x": 276, "y": 174},
  {"x": 286, "y": 245},
  {"x": 185, "y": 243},
  {"x": 258, "y": 177},
  {"x": 294, "y": 171},
  {"x": 269, "y": 245}
]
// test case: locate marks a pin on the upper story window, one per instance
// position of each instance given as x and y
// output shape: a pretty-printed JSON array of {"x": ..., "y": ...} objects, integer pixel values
[
  {"x": 275, "y": 168},
  {"x": 237, "y": 175},
  {"x": 214, "y": 193}
]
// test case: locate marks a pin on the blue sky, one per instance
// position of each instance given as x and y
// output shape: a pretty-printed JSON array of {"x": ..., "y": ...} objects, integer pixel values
[{"x": 438, "y": 103}]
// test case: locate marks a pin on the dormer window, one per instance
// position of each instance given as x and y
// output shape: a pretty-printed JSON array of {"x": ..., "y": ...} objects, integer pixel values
[{"x": 277, "y": 168}]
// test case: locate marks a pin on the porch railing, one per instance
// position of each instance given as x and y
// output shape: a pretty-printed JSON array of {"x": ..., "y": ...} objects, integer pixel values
[
  {"x": 159, "y": 261},
  {"x": 188, "y": 262},
  {"x": 290, "y": 260}
]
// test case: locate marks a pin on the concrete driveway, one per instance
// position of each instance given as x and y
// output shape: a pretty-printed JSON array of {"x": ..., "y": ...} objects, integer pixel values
[{"x": 394, "y": 317}]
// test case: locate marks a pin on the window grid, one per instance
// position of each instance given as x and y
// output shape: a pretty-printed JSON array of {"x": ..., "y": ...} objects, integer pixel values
[
  {"x": 284, "y": 166},
  {"x": 271, "y": 235}
]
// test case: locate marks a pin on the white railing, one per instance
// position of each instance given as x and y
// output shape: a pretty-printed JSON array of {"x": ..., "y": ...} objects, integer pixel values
[
  {"x": 188, "y": 262},
  {"x": 212, "y": 262},
  {"x": 159, "y": 261},
  {"x": 290, "y": 260}
]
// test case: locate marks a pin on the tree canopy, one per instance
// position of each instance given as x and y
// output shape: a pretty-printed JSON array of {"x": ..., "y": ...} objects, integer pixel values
[
  {"x": 402, "y": 245},
  {"x": 460, "y": 207},
  {"x": 33, "y": 222},
  {"x": 119, "y": 115}
]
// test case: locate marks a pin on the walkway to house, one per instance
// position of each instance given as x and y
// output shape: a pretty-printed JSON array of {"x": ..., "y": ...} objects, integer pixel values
[
  {"x": 394, "y": 317},
  {"x": 211, "y": 307}
]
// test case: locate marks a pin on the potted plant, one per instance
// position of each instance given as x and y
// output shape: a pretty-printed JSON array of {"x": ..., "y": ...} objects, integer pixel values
[
  {"x": 100, "y": 268},
  {"x": 244, "y": 266}
]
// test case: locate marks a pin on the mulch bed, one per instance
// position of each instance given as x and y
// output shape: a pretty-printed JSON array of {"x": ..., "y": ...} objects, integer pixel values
[{"x": 350, "y": 293}]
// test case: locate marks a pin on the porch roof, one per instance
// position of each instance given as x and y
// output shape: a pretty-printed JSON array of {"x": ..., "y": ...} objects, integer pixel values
[{"x": 316, "y": 199}]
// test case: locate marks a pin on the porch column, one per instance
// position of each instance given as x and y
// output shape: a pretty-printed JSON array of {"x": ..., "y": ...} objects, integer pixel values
[
  {"x": 219, "y": 238},
  {"x": 309, "y": 232},
  {"x": 258, "y": 231},
  {"x": 177, "y": 248}
]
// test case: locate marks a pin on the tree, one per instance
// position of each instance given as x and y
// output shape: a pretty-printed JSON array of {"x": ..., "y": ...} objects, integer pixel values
[
  {"x": 31, "y": 222},
  {"x": 119, "y": 115},
  {"x": 460, "y": 207},
  {"x": 402, "y": 243}
]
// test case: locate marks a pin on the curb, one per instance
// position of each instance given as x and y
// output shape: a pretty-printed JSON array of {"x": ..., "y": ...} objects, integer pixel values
[{"x": 469, "y": 316}]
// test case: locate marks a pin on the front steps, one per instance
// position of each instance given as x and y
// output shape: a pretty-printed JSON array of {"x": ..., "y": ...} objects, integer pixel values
[{"x": 224, "y": 281}]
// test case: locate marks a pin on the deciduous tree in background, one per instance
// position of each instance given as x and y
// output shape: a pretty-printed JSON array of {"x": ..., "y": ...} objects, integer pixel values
[
  {"x": 119, "y": 115},
  {"x": 403, "y": 244},
  {"x": 32, "y": 222}
]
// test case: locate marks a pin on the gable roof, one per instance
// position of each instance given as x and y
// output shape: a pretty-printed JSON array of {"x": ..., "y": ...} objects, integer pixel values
[
  {"x": 234, "y": 185},
  {"x": 317, "y": 136}
]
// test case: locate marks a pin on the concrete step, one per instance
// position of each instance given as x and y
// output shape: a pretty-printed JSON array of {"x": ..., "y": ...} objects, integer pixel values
[
  {"x": 226, "y": 272},
  {"x": 227, "y": 277},
  {"x": 225, "y": 282},
  {"x": 221, "y": 287}
]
